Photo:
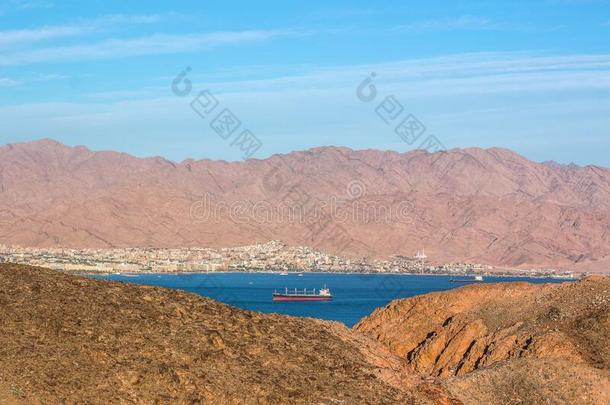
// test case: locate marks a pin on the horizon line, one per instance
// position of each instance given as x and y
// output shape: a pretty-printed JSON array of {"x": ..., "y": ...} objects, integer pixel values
[{"x": 50, "y": 140}]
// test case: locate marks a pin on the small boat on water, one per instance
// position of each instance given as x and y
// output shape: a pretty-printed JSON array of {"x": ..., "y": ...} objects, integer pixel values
[
  {"x": 284, "y": 273},
  {"x": 300, "y": 274},
  {"x": 303, "y": 295},
  {"x": 476, "y": 279}
]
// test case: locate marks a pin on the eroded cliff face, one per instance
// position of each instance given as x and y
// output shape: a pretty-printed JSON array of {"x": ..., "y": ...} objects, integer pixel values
[
  {"x": 456, "y": 332},
  {"x": 487, "y": 327}
]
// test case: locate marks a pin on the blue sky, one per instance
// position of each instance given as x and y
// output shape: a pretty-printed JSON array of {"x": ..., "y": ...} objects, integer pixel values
[{"x": 532, "y": 76}]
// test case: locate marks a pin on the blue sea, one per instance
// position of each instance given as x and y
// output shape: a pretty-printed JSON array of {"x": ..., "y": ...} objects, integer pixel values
[{"x": 354, "y": 295}]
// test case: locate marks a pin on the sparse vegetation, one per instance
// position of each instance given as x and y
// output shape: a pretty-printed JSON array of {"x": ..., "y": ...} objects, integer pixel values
[{"x": 16, "y": 391}]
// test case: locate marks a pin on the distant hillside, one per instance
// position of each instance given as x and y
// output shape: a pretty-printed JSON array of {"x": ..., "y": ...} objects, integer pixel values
[{"x": 482, "y": 205}]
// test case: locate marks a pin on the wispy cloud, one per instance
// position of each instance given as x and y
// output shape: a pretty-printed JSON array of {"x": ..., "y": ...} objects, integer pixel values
[
  {"x": 462, "y": 98},
  {"x": 454, "y": 75},
  {"x": 127, "y": 94},
  {"x": 12, "y": 37},
  {"x": 128, "y": 19},
  {"x": 330, "y": 13},
  {"x": 473, "y": 73},
  {"x": 23, "y": 36},
  {"x": 4, "y": 82},
  {"x": 26, "y": 4},
  {"x": 21, "y": 80},
  {"x": 464, "y": 22},
  {"x": 46, "y": 78},
  {"x": 149, "y": 45}
]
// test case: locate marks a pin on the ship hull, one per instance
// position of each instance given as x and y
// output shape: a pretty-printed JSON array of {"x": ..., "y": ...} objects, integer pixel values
[{"x": 300, "y": 298}]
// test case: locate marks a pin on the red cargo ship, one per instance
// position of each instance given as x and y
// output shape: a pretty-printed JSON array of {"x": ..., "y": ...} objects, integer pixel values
[{"x": 303, "y": 295}]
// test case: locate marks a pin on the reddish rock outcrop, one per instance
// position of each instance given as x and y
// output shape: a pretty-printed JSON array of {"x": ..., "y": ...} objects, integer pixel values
[
  {"x": 456, "y": 332},
  {"x": 471, "y": 336}
]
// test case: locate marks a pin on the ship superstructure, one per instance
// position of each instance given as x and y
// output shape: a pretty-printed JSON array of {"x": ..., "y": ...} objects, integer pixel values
[{"x": 294, "y": 294}]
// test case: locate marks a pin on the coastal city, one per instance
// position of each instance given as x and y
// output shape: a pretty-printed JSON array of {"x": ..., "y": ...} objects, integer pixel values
[{"x": 273, "y": 256}]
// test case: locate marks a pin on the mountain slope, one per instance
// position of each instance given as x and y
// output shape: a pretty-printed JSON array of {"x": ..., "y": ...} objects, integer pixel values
[{"x": 491, "y": 206}]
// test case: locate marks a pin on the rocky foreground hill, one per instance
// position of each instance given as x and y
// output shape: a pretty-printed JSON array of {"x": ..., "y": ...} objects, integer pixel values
[
  {"x": 489, "y": 206},
  {"x": 78, "y": 340},
  {"x": 506, "y": 342}
]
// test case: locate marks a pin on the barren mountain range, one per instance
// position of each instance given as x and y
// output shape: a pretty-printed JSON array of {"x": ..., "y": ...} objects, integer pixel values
[{"x": 490, "y": 206}]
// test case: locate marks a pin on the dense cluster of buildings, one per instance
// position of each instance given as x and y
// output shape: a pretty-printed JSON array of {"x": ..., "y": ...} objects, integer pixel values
[{"x": 271, "y": 256}]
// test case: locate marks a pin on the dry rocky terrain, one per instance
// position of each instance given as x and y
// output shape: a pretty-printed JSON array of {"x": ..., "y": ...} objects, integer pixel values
[
  {"x": 77, "y": 340},
  {"x": 506, "y": 342},
  {"x": 70, "y": 339},
  {"x": 489, "y": 206}
]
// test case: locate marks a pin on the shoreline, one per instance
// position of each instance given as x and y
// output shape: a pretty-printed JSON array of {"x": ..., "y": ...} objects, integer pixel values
[{"x": 149, "y": 273}]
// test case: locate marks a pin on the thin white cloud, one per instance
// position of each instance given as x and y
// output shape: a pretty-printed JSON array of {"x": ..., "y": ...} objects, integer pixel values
[
  {"x": 454, "y": 74},
  {"x": 330, "y": 13},
  {"x": 46, "y": 78},
  {"x": 28, "y": 79},
  {"x": 5, "y": 82},
  {"x": 149, "y": 45},
  {"x": 24, "y": 36},
  {"x": 126, "y": 94},
  {"x": 27, "y": 4},
  {"x": 464, "y": 22},
  {"x": 457, "y": 75},
  {"x": 12, "y": 37},
  {"x": 483, "y": 99},
  {"x": 128, "y": 19}
]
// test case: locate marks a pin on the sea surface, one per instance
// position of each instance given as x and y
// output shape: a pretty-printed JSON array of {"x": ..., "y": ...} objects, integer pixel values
[{"x": 354, "y": 295}]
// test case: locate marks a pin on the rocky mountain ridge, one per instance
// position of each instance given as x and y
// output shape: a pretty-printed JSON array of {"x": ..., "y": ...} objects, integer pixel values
[{"x": 490, "y": 206}]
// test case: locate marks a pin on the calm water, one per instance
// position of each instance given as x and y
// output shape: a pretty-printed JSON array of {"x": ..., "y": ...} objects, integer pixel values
[{"x": 354, "y": 295}]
